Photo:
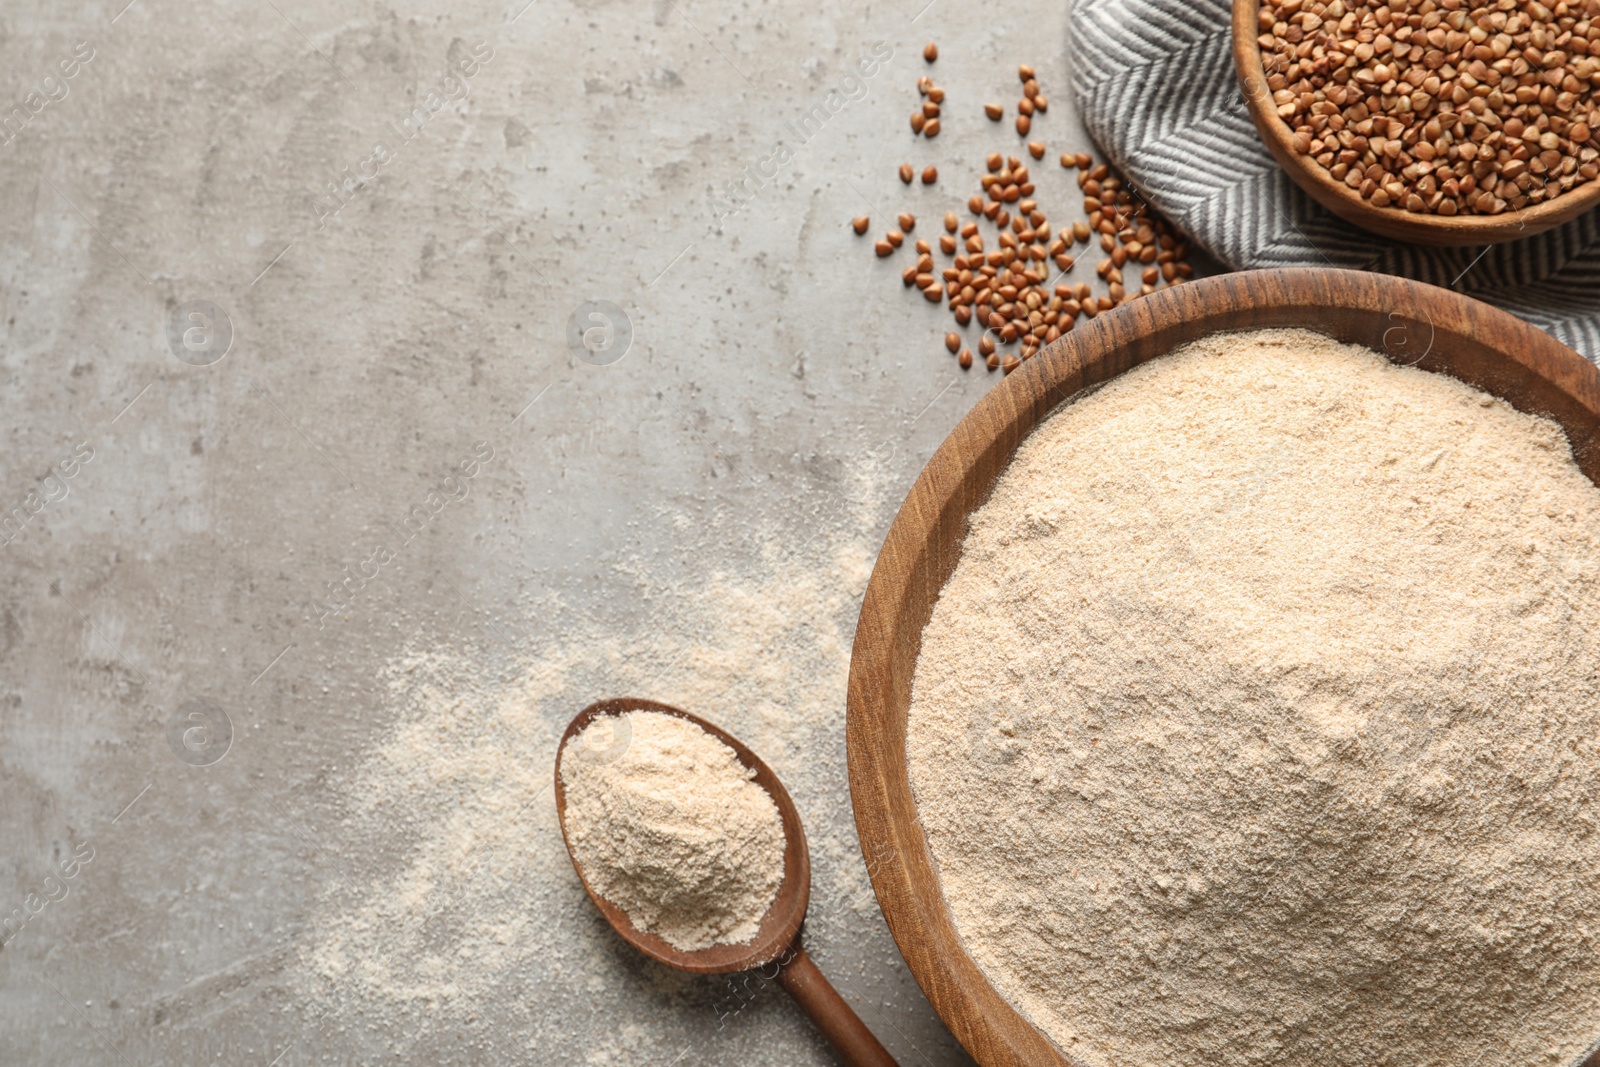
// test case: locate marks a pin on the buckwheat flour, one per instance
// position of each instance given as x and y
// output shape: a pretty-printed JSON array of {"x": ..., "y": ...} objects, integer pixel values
[
  {"x": 668, "y": 825},
  {"x": 1258, "y": 723}
]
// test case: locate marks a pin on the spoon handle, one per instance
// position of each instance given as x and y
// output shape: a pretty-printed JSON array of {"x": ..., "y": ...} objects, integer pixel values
[{"x": 839, "y": 1024}]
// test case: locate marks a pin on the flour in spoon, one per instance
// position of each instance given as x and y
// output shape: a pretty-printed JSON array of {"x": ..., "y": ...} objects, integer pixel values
[{"x": 668, "y": 825}]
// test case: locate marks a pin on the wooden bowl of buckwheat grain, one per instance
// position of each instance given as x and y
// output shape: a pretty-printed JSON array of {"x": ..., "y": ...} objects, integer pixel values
[
  {"x": 1441, "y": 122},
  {"x": 1227, "y": 690}
]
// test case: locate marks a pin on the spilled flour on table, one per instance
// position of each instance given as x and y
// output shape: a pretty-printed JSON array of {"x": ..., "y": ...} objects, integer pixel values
[{"x": 467, "y": 901}]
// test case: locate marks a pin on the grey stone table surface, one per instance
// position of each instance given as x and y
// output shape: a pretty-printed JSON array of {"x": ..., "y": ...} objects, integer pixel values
[{"x": 383, "y": 382}]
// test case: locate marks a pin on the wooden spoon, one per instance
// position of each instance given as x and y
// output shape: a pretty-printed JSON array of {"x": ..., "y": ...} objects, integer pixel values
[{"x": 777, "y": 941}]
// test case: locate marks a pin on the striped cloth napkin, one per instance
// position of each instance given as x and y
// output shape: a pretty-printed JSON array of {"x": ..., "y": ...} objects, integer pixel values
[{"x": 1154, "y": 82}]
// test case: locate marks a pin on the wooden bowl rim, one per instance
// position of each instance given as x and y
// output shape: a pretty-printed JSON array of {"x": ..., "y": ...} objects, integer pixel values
[
  {"x": 1347, "y": 204},
  {"x": 901, "y": 868},
  {"x": 780, "y": 926}
]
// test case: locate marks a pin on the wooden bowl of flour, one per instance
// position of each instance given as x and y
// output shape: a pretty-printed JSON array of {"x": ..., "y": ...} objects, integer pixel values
[{"x": 1411, "y": 323}]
